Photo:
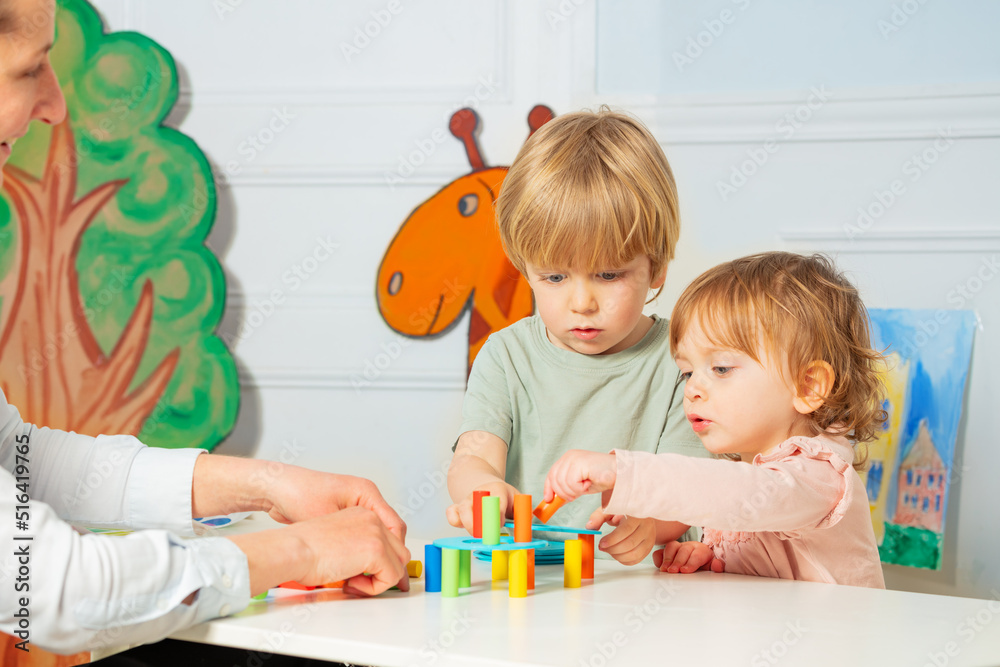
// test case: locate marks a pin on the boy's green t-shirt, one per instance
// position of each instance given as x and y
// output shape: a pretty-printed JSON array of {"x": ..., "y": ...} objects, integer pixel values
[{"x": 543, "y": 400}]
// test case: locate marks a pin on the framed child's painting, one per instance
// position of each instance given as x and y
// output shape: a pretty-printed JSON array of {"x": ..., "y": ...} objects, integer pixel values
[{"x": 910, "y": 466}]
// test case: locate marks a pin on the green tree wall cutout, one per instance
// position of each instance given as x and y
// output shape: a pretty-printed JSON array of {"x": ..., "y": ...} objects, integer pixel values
[{"x": 109, "y": 298}]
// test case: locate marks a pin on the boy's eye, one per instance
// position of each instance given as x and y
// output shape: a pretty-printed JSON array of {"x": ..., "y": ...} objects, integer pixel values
[
  {"x": 554, "y": 278},
  {"x": 686, "y": 375},
  {"x": 610, "y": 275},
  {"x": 722, "y": 370}
]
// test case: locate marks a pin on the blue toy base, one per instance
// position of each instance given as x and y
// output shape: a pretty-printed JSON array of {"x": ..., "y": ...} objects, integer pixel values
[
  {"x": 557, "y": 529},
  {"x": 476, "y": 544}
]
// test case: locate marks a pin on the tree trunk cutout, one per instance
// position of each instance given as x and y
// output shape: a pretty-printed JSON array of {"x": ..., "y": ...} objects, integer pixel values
[{"x": 51, "y": 365}]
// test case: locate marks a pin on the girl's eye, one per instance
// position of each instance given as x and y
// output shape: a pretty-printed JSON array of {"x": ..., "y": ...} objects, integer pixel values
[
  {"x": 722, "y": 370},
  {"x": 686, "y": 376},
  {"x": 610, "y": 275},
  {"x": 554, "y": 278}
]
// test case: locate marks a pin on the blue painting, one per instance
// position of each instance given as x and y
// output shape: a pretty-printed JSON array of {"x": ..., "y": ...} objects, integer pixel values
[{"x": 910, "y": 465}]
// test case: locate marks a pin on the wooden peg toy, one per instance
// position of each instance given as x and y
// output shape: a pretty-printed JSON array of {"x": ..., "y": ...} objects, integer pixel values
[
  {"x": 500, "y": 565},
  {"x": 477, "y": 512},
  {"x": 544, "y": 510},
  {"x": 432, "y": 576},
  {"x": 449, "y": 573},
  {"x": 491, "y": 520},
  {"x": 522, "y": 517},
  {"x": 587, "y": 557},
  {"x": 517, "y": 585},
  {"x": 572, "y": 562}
]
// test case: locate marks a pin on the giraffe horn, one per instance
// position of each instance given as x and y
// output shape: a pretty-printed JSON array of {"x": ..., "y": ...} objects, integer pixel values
[
  {"x": 463, "y": 125},
  {"x": 538, "y": 116}
]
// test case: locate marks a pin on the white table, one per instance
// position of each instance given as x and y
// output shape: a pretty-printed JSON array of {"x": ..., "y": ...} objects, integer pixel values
[{"x": 625, "y": 616}]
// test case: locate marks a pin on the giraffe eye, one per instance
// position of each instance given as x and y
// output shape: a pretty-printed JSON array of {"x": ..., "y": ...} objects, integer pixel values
[
  {"x": 468, "y": 204},
  {"x": 395, "y": 283}
]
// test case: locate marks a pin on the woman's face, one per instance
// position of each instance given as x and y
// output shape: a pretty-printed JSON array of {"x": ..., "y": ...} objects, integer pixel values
[{"x": 28, "y": 86}]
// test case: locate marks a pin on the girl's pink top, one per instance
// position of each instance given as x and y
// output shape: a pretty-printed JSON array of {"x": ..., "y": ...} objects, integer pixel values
[{"x": 799, "y": 512}]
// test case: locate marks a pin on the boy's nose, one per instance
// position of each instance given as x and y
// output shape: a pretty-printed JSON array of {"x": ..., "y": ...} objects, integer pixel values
[{"x": 582, "y": 300}]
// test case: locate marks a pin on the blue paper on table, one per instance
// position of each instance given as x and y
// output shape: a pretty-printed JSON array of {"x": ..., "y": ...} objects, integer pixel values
[{"x": 550, "y": 555}]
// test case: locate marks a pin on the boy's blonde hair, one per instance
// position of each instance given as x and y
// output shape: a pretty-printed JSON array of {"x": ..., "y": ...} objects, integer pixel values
[
  {"x": 800, "y": 308},
  {"x": 589, "y": 189}
]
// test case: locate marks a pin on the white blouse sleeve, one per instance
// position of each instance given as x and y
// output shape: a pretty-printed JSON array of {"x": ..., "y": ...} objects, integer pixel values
[{"x": 68, "y": 592}]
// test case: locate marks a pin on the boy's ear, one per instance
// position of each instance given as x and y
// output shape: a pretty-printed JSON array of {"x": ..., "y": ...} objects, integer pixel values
[
  {"x": 659, "y": 278},
  {"x": 814, "y": 386}
]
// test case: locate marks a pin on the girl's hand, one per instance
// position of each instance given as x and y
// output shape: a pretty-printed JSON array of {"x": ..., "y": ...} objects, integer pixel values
[
  {"x": 687, "y": 557},
  {"x": 578, "y": 472},
  {"x": 460, "y": 514},
  {"x": 630, "y": 541}
]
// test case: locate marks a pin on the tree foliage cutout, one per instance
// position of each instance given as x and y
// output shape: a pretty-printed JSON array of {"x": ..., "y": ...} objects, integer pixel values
[{"x": 109, "y": 298}]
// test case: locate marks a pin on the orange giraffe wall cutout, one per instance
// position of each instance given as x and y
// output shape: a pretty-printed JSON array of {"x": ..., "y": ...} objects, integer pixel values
[{"x": 447, "y": 254}]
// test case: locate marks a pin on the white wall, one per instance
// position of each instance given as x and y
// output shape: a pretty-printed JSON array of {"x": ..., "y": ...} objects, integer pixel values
[{"x": 353, "y": 120}]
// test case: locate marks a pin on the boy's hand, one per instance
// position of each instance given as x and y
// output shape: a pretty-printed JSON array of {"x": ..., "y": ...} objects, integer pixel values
[
  {"x": 687, "y": 557},
  {"x": 578, "y": 472},
  {"x": 460, "y": 514},
  {"x": 630, "y": 541}
]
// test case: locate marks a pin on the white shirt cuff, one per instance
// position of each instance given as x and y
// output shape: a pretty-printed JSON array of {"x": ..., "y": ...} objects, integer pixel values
[{"x": 159, "y": 489}]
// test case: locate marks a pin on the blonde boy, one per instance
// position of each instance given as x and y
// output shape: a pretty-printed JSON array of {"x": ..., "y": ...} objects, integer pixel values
[{"x": 588, "y": 214}]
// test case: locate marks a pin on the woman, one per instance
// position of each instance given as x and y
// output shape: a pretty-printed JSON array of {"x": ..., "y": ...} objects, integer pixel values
[{"x": 90, "y": 592}]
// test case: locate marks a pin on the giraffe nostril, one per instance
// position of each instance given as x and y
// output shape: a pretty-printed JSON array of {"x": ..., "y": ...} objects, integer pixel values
[{"x": 395, "y": 283}]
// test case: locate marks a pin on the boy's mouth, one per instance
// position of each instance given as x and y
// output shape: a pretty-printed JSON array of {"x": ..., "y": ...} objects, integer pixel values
[{"x": 586, "y": 334}]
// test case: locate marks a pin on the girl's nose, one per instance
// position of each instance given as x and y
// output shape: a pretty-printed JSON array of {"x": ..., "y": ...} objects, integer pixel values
[{"x": 693, "y": 388}]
